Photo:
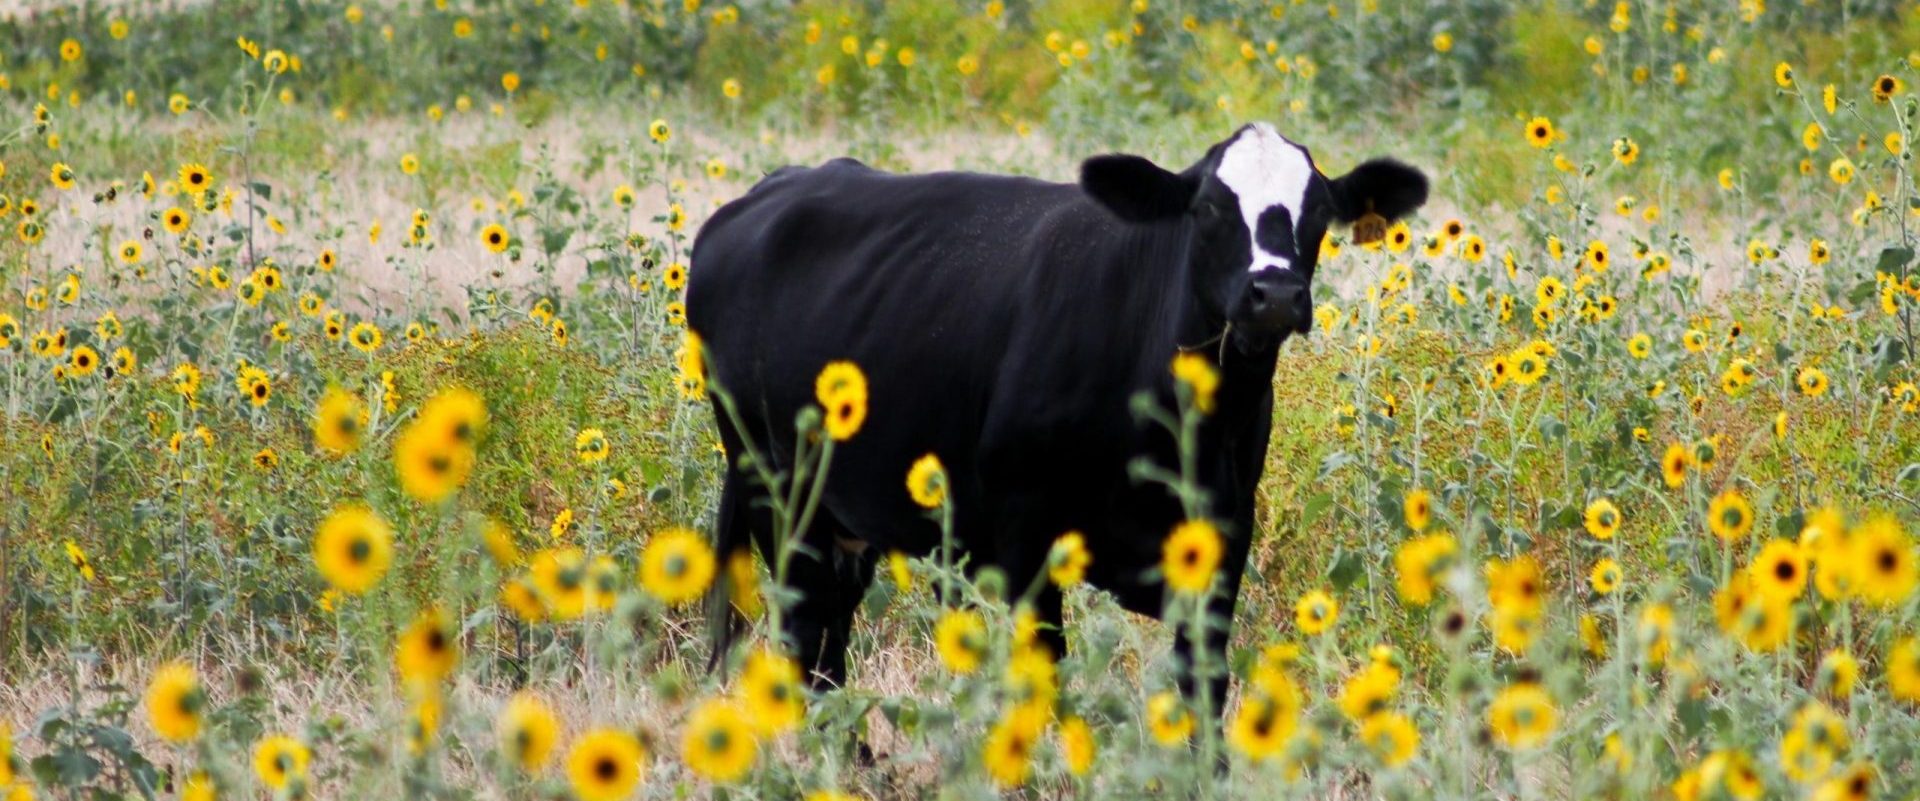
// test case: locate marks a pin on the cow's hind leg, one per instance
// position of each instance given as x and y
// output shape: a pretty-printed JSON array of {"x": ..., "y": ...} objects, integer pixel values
[
  {"x": 830, "y": 575},
  {"x": 739, "y": 525}
]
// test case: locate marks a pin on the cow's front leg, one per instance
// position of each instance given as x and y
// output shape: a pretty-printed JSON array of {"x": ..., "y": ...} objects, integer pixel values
[
  {"x": 1200, "y": 646},
  {"x": 830, "y": 577}
]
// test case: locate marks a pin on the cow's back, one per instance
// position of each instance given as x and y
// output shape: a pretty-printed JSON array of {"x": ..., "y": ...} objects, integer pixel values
[{"x": 927, "y": 282}]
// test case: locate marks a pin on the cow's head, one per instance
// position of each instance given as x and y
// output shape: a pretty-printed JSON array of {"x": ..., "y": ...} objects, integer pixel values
[{"x": 1258, "y": 208}]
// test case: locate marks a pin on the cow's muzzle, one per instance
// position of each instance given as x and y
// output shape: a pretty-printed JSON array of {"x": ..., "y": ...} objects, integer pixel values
[{"x": 1278, "y": 302}]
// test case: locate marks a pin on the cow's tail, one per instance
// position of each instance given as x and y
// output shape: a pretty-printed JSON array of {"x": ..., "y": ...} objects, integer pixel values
[{"x": 730, "y": 542}]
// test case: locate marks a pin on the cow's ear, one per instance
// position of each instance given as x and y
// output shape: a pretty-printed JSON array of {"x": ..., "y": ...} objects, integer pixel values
[
  {"x": 1136, "y": 189},
  {"x": 1384, "y": 187}
]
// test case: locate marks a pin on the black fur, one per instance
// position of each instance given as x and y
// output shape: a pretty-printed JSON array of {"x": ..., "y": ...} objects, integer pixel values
[{"x": 1003, "y": 324}]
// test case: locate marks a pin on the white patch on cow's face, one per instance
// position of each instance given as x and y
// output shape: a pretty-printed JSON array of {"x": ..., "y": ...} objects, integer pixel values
[{"x": 1266, "y": 170}]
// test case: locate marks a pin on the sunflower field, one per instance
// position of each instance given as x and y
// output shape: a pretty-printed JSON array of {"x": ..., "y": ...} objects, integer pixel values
[{"x": 354, "y": 445}]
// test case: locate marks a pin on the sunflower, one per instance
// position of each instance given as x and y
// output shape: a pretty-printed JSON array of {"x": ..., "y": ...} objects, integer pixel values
[
  {"x": 1780, "y": 569},
  {"x": 521, "y": 598},
  {"x": 199, "y": 786},
  {"x": 1605, "y": 576},
  {"x": 605, "y": 765},
  {"x": 590, "y": 445},
  {"x": 1526, "y": 368},
  {"x": 1625, "y": 151},
  {"x": 1885, "y": 569},
  {"x": 1399, "y": 237},
  {"x": 1885, "y": 87},
  {"x": 718, "y": 745},
  {"x": 1369, "y": 691},
  {"x": 560, "y": 580},
  {"x": 659, "y": 131},
  {"x": 1674, "y": 464},
  {"x": 743, "y": 583},
  {"x": 83, "y": 361},
  {"x": 1008, "y": 749},
  {"x": 1417, "y": 565},
  {"x": 1522, "y": 716},
  {"x": 1602, "y": 519},
  {"x": 1837, "y": 674},
  {"x": 1783, "y": 75},
  {"x": 1853, "y": 784},
  {"x": 604, "y": 576},
  {"x": 841, "y": 389},
  {"x": 1168, "y": 718},
  {"x": 1540, "y": 132},
  {"x": 338, "y": 422},
  {"x": 255, "y": 385},
  {"x": 195, "y": 178},
  {"x": 1903, "y": 670},
  {"x": 961, "y": 638},
  {"x": 1264, "y": 723},
  {"x": 1417, "y": 508},
  {"x": 365, "y": 337},
  {"x": 174, "y": 701},
  {"x": 675, "y": 276},
  {"x": 1392, "y": 737},
  {"x": 1067, "y": 560},
  {"x": 427, "y": 651},
  {"x": 495, "y": 237},
  {"x": 770, "y": 690},
  {"x": 1198, "y": 379},
  {"x": 1729, "y": 517},
  {"x": 1516, "y": 584},
  {"x": 62, "y": 176},
  {"x": 676, "y": 566},
  {"x": 1316, "y": 612},
  {"x": 1190, "y": 555},
  {"x": 1841, "y": 170},
  {"x": 927, "y": 482},
  {"x": 353, "y": 548},
  {"x": 434, "y": 456},
  {"x": 1077, "y": 745},
  {"x": 266, "y": 459},
  {"x": 279, "y": 759}
]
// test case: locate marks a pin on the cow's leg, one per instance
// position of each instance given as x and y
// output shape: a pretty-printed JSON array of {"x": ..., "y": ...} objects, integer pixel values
[
  {"x": 736, "y": 529},
  {"x": 1237, "y": 473},
  {"x": 1025, "y": 526},
  {"x": 831, "y": 575},
  {"x": 1212, "y": 645}
]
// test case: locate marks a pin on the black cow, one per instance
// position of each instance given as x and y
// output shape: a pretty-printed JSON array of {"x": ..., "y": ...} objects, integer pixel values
[{"x": 1004, "y": 324}]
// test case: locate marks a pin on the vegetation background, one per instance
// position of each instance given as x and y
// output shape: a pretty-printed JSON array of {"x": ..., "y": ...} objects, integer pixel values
[{"x": 1649, "y": 346}]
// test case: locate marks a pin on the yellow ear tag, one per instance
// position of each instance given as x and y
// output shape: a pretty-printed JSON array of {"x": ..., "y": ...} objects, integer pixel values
[{"x": 1370, "y": 228}]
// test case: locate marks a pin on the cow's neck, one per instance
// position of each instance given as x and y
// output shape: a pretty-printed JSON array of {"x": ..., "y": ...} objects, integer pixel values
[{"x": 1246, "y": 374}]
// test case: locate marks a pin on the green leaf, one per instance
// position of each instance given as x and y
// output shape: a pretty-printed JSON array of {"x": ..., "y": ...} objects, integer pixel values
[
  {"x": 1345, "y": 570},
  {"x": 262, "y": 189},
  {"x": 1315, "y": 508},
  {"x": 1334, "y": 462},
  {"x": 1892, "y": 258}
]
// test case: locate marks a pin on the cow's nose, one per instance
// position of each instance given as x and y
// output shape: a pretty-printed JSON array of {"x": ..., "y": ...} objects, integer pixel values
[{"x": 1274, "y": 298}]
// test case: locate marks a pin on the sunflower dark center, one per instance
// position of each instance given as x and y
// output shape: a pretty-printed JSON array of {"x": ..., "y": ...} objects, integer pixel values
[
  {"x": 360, "y": 550},
  {"x": 1785, "y": 570},
  {"x": 605, "y": 769}
]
